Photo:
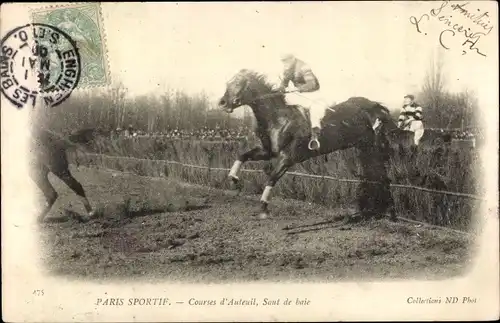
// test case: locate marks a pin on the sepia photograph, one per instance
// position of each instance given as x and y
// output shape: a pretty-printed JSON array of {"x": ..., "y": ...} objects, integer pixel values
[{"x": 249, "y": 161}]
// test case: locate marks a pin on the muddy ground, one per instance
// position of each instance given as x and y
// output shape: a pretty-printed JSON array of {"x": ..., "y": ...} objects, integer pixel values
[{"x": 157, "y": 228}]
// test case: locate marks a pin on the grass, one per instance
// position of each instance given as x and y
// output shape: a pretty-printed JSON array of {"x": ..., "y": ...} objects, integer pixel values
[{"x": 439, "y": 168}]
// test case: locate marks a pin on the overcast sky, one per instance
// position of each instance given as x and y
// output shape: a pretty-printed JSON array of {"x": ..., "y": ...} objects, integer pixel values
[{"x": 356, "y": 48}]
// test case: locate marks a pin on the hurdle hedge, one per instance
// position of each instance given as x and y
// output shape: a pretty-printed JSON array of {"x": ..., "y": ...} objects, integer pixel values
[{"x": 442, "y": 168}]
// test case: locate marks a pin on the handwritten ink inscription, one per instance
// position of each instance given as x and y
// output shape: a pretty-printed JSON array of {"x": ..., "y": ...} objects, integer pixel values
[{"x": 463, "y": 21}]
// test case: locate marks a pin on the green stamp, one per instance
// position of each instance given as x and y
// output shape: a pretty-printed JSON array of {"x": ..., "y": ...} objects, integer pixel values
[{"x": 83, "y": 23}]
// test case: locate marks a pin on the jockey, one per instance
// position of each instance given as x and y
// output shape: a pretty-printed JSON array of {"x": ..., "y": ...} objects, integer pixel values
[
  {"x": 410, "y": 117},
  {"x": 305, "y": 85}
]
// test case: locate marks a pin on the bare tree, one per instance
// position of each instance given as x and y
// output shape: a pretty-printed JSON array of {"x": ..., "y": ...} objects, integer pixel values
[
  {"x": 117, "y": 94},
  {"x": 443, "y": 109},
  {"x": 110, "y": 108},
  {"x": 434, "y": 83}
]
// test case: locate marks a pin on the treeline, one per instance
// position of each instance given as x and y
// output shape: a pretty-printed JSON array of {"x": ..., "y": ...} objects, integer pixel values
[
  {"x": 442, "y": 108},
  {"x": 112, "y": 109}
]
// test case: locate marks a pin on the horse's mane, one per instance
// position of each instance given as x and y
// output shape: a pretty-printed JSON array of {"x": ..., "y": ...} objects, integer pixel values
[{"x": 260, "y": 78}]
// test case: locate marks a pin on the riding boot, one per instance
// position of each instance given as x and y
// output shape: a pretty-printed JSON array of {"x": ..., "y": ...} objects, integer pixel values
[{"x": 314, "y": 142}]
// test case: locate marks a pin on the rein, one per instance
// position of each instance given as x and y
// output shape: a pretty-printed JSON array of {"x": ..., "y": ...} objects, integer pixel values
[{"x": 269, "y": 95}]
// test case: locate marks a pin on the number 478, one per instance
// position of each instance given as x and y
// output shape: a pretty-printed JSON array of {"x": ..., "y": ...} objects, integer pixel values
[{"x": 38, "y": 292}]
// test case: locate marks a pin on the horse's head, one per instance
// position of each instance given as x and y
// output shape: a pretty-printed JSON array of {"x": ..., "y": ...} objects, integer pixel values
[{"x": 243, "y": 89}]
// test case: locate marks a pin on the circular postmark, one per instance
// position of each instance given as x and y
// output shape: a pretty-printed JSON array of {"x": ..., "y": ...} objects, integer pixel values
[{"x": 39, "y": 64}]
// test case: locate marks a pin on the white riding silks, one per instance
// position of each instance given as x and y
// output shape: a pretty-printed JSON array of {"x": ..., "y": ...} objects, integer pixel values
[
  {"x": 417, "y": 127},
  {"x": 309, "y": 100}
]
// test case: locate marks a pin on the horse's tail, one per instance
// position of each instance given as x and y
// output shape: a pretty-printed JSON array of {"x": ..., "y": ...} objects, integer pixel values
[{"x": 383, "y": 108}]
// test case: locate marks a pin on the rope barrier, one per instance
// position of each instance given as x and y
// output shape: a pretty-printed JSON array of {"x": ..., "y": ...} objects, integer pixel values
[
  {"x": 415, "y": 222},
  {"x": 345, "y": 180}
]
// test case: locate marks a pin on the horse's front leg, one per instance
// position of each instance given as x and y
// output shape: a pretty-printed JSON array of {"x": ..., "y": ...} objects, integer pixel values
[
  {"x": 254, "y": 154},
  {"x": 284, "y": 163}
]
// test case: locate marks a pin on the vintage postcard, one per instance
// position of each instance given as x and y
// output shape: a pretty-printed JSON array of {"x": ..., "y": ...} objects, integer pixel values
[{"x": 249, "y": 161}]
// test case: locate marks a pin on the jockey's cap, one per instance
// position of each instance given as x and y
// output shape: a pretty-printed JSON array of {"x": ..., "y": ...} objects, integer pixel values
[{"x": 410, "y": 96}]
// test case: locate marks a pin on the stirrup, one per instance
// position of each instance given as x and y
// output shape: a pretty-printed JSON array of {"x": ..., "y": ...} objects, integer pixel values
[{"x": 310, "y": 144}]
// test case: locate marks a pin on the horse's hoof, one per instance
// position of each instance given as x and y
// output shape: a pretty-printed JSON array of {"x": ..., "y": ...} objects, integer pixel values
[
  {"x": 81, "y": 218},
  {"x": 351, "y": 219},
  {"x": 235, "y": 183},
  {"x": 92, "y": 214}
]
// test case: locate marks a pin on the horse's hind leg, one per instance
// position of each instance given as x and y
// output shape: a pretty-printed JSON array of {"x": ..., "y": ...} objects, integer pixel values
[
  {"x": 67, "y": 178},
  {"x": 282, "y": 166},
  {"x": 39, "y": 174}
]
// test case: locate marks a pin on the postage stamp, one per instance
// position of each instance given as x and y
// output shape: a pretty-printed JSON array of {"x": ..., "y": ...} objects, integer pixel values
[
  {"x": 39, "y": 62},
  {"x": 83, "y": 23}
]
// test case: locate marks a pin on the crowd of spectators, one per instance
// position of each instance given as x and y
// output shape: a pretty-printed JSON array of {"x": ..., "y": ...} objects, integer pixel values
[
  {"x": 219, "y": 133},
  {"x": 204, "y": 133},
  {"x": 460, "y": 134},
  {"x": 464, "y": 134}
]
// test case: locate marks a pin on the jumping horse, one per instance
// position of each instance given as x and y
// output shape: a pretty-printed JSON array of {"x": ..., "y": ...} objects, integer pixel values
[
  {"x": 49, "y": 155},
  {"x": 284, "y": 131}
]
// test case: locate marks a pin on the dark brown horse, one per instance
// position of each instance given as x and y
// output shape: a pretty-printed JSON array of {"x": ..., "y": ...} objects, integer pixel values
[
  {"x": 48, "y": 154},
  {"x": 284, "y": 130}
]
